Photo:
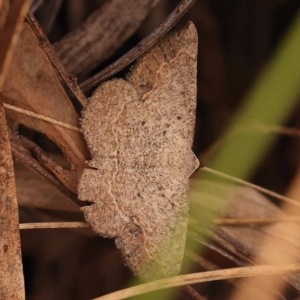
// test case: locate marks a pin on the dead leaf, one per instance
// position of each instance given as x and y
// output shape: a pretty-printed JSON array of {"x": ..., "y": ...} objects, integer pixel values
[{"x": 32, "y": 84}]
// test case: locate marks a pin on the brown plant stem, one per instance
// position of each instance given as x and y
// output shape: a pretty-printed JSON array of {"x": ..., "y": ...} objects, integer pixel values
[{"x": 54, "y": 225}]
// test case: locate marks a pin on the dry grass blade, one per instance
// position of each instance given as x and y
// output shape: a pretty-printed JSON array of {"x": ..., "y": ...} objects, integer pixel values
[
  {"x": 259, "y": 188},
  {"x": 11, "y": 270},
  {"x": 41, "y": 117},
  {"x": 54, "y": 225},
  {"x": 256, "y": 221},
  {"x": 264, "y": 270}
]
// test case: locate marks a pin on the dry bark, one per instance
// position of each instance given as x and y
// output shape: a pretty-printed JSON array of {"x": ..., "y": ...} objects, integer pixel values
[
  {"x": 11, "y": 271},
  {"x": 102, "y": 34}
]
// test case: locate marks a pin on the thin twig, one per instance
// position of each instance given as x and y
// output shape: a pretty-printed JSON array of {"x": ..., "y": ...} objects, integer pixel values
[
  {"x": 262, "y": 270},
  {"x": 41, "y": 117},
  {"x": 70, "y": 80},
  {"x": 254, "y": 186},
  {"x": 140, "y": 48},
  {"x": 53, "y": 225},
  {"x": 256, "y": 221}
]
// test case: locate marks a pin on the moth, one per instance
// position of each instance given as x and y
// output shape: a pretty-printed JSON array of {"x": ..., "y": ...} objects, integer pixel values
[{"x": 140, "y": 133}]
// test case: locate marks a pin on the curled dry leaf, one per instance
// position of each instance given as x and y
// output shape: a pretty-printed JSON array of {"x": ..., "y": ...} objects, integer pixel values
[{"x": 32, "y": 84}]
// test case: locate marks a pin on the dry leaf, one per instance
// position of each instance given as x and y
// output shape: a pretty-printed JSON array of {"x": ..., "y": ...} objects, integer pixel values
[
  {"x": 140, "y": 133},
  {"x": 32, "y": 84}
]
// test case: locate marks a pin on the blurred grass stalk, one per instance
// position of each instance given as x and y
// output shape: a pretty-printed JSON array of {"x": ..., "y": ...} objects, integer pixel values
[{"x": 244, "y": 144}]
